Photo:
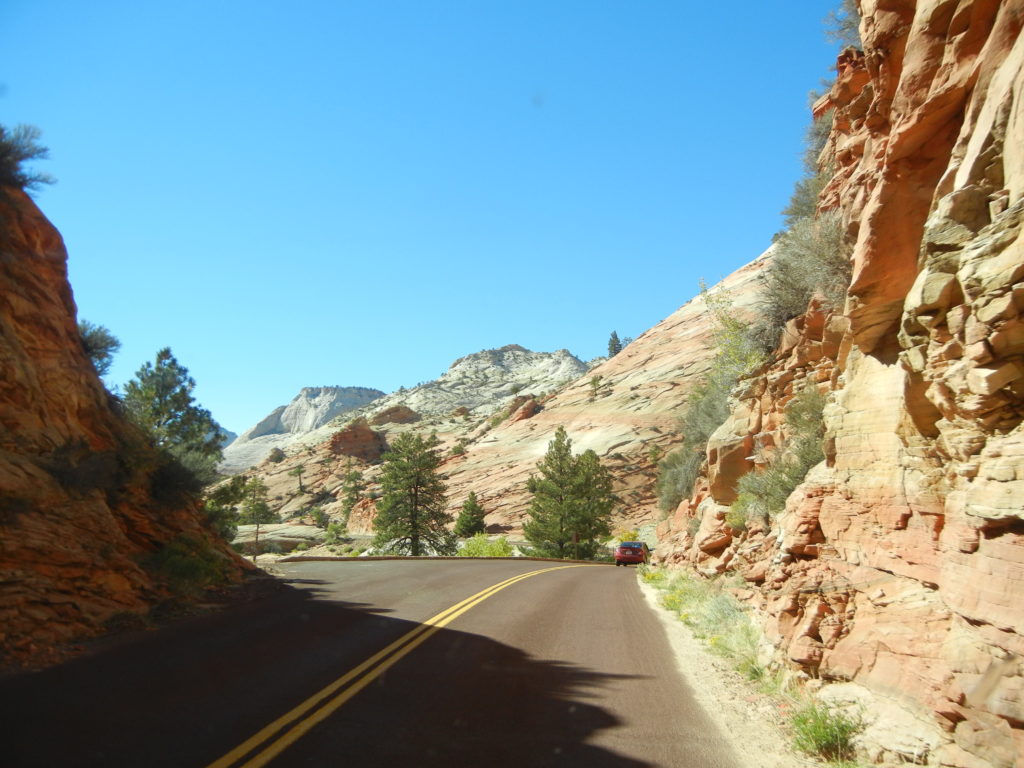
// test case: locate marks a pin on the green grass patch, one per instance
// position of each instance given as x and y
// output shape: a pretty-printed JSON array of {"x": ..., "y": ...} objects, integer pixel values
[
  {"x": 715, "y": 616},
  {"x": 824, "y": 732}
]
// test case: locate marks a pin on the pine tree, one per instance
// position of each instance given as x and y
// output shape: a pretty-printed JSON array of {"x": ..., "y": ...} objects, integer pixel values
[
  {"x": 614, "y": 345},
  {"x": 159, "y": 400},
  {"x": 256, "y": 511},
  {"x": 471, "y": 518},
  {"x": 593, "y": 491},
  {"x": 572, "y": 502},
  {"x": 221, "y": 503},
  {"x": 411, "y": 517},
  {"x": 352, "y": 487},
  {"x": 296, "y": 472}
]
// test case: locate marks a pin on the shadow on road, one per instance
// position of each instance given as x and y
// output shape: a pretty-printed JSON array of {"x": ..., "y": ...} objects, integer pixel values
[{"x": 186, "y": 695}]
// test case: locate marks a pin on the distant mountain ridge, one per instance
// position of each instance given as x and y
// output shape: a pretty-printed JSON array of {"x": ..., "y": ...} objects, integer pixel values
[
  {"x": 309, "y": 410},
  {"x": 480, "y": 383}
]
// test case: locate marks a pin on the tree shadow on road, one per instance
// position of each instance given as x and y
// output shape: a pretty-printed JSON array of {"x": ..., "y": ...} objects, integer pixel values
[{"x": 187, "y": 694}]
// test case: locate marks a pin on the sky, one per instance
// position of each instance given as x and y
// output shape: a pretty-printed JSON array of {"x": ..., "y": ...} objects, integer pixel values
[{"x": 359, "y": 192}]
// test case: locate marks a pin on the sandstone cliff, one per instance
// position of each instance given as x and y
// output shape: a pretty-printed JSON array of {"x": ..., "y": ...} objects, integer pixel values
[
  {"x": 84, "y": 504},
  {"x": 897, "y": 566}
]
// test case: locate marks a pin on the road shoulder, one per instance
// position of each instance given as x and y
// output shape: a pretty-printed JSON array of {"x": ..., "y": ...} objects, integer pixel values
[{"x": 744, "y": 716}]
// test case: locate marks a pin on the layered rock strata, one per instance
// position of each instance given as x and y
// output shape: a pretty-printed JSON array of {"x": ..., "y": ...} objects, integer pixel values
[
  {"x": 898, "y": 564},
  {"x": 83, "y": 501}
]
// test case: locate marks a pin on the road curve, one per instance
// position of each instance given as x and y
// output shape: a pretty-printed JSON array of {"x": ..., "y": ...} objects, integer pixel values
[{"x": 386, "y": 663}]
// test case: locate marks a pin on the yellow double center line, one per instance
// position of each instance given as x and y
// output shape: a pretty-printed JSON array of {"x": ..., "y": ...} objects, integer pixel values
[{"x": 261, "y": 748}]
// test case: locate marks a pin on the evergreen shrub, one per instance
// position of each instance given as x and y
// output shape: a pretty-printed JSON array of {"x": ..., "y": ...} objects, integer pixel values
[{"x": 763, "y": 493}]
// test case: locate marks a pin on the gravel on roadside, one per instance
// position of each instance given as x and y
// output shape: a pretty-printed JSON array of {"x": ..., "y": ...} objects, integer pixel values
[{"x": 749, "y": 720}]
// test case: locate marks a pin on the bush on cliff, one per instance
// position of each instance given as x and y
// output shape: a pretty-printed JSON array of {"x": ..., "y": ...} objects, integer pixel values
[
  {"x": 828, "y": 733},
  {"x": 187, "y": 566},
  {"x": 99, "y": 344},
  {"x": 843, "y": 25},
  {"x": 159, "y": 400},
  {"x": 18, "y": 146},
  {"x": 707, "y": 406},
  {"x": 763, "y": 494},
  {"x": 221, "y": 506},
  {"x": 810, "y": 260}
]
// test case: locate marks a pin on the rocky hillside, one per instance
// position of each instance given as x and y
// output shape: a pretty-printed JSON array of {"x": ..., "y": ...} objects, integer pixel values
[
  {"x": 473, "y": 387},
  {"x": 476, "y": 385},
  {"x": 897, "y": 566},
  {"x": 496, "y": 411},
  {"x": 311, "y": 409},
  {"x": 625, "y": 409},
  {"x": 86, "y": 509},
  {"x": 459, "y": 405}
]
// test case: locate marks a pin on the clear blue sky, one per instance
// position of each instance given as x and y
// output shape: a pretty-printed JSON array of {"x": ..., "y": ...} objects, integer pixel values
[{"x": 358, "y": 192}]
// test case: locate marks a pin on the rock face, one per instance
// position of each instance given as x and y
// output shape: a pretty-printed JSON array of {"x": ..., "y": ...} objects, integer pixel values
[
  {"x": 898, "y": 564},
  {"x": 84, "y": 503},
  {"x": 311, "y": 409},
  {"x": 624, "y": 409},
  {"x": 358, "y": 441},
  {"x": 458, "y": 406},
  {"x": 627, "y": 416},
  {"x": 396, "y": 414},
  {"x": 476, "y": 385}
]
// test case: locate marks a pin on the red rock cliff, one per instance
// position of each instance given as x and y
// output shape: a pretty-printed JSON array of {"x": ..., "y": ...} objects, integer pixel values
[
  {"x": 82, "y": 499},
  {"x": 898, "y": 565}
]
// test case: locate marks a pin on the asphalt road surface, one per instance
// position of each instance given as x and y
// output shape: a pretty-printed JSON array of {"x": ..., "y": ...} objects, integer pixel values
[{"x": 381, "y": 663}]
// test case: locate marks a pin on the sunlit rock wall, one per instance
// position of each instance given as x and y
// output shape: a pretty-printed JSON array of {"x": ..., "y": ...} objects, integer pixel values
[
  {"x": 899, "y": 564},
  {"x": 82, "y": 498}
]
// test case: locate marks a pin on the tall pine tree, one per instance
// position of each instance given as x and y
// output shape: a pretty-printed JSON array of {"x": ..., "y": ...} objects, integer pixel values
[
  {"x": 159, "y": 400},
  {"x": 352, "y": 487},
  {"x": 411, "y": 517},
  {"x": 256, "y": 511},
  {"x": 593, "y": 491},
  {"x": 572, "y": 502}
]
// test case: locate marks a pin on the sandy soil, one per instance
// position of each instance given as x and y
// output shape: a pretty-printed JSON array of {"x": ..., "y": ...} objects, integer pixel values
[{"x": 749, "y": 719}]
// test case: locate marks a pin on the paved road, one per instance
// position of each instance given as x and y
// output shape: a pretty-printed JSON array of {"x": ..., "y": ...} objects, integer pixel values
[{"x": 384, "y": 663}]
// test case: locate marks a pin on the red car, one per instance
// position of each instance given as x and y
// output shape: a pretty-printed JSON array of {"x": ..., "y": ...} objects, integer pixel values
[{"x": 632, "y": 552}]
